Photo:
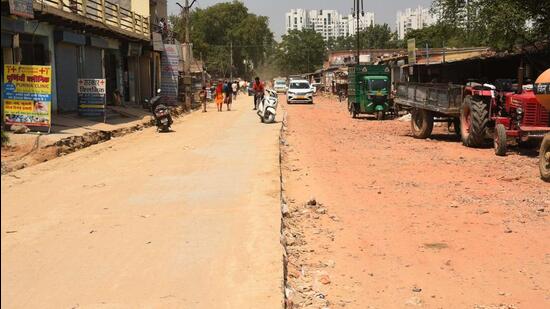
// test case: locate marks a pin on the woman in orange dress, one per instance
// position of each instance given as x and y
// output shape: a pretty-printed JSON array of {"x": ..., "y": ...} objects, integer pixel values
[{"x": 219, "y": 96}]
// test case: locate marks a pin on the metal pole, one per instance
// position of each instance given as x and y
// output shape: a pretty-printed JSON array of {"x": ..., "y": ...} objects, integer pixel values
[
  {"x": 231, "y": 68},
  {"x": 357, "y": 30},
  {"x": 427, "y": 54}
]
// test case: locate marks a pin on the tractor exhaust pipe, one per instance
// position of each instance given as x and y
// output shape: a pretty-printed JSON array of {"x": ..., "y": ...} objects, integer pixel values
[{"x": 521, "y": 74}]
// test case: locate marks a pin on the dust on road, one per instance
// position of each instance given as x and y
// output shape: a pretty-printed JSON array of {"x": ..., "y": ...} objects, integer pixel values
[
  {"x": 187, "y": 219},
  {"x": 400, "y": 222}
]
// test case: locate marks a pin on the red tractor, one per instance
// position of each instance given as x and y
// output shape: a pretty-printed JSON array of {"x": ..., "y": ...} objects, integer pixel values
[
  {"x": 522, "y": 118},
  {"x": 478, "y": 108}
]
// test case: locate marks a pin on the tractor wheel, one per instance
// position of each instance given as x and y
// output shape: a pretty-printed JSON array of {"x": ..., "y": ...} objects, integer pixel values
[
  {"x": 544, "y": 154},
  {"x": 474, "y": 118},
  {"x": 422, "y": 123},
  {"x": 500, "y": 140},
  {"x": 379, "y": 115}
]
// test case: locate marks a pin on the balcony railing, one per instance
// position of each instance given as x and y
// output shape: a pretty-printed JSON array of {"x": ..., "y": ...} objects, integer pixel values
[{"x": 111, "y": 15}]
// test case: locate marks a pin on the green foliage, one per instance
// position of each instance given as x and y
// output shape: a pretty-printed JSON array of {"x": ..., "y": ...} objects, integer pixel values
[
  {"x": 500, "y": 24},
  {"x": 373, "y": 37},
  {"x": 213, "y": 29},
  {"x": 301, "y": 52}
]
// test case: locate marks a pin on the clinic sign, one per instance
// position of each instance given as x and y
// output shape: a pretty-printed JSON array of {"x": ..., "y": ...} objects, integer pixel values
[
  {"x": 27, "y": 94},
  {"x": 91, "y": 97}
]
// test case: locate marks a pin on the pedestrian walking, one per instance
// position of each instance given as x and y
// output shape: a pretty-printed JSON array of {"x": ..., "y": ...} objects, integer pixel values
[
  {"x": 228, "y": 94},
  {"x": 219, "y": 96},
  {"x": 235, "y": 88},
  {"x": 202, "y": 96}
]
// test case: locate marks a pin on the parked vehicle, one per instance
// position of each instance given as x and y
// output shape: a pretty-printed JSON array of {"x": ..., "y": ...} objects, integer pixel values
[
  {"x": 267, "y": 108},
  {"x": 542, "y": 93},
  {"x": 299, "y": 91},
  {"x": 479, "y": 112},
  {"x": 161, "y": 113},
  {"x": 279, "y": 85},
  {"x": 316, "y": 87},
  {"x": 369, "y": 90}
]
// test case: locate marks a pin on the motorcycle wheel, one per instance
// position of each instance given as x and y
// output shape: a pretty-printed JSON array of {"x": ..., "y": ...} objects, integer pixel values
[{"x": 269, "y": 118}]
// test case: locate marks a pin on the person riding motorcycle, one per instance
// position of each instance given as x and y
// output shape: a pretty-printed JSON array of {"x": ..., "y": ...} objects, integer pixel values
[{"x": 259, "y": 89}]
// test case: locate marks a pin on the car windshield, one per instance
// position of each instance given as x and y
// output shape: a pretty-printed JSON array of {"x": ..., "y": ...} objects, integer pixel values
[
  {"x": 378, "y": 84},
  {"x": 298, "y": 85},
  {"x": 280, "y": 83}
]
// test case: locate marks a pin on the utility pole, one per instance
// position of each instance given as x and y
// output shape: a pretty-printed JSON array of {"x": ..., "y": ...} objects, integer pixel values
[
  {"x": 358, "y": 12},
  {"x": 231, "y": 62},
  {"x": 187, "y": 49}
]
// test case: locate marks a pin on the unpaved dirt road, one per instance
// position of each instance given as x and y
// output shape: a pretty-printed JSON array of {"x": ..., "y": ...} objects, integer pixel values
[
  {"x": 188, "y": 219},
  {"x": 409, "y": 223}
]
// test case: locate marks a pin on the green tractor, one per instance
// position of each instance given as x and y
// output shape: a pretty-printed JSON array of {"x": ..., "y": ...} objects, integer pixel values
[{"x": 369, "y": 90}]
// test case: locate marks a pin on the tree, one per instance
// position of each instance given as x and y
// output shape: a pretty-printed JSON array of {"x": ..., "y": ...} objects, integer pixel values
[
  {"x": 215, "y": 28},
  {"x": 500, "y": 24},
  {"x": 301, "y": 51},
  {"x": 374, "y": 36}
]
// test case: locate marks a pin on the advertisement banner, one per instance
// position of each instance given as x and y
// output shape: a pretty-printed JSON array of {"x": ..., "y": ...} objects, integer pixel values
[
  {"x": 91, "y": 97},
  {"x": 21, "y": 8},
  {"x": 169, "y": 74},
  {"x": 27, "y": 95}
]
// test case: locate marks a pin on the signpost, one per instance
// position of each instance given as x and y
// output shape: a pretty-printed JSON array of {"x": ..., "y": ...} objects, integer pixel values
[
  {"x": 27, "y": 95},
  {"x": 91, "y": 97}
]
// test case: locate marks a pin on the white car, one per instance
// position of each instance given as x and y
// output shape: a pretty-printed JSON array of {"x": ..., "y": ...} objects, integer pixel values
[
  {"x": 280, "y": 86},
  {"x": 299, "y": 91}
]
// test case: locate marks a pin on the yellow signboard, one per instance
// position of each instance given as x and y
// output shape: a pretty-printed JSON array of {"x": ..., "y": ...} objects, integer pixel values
[
  {"x": 411, "y": 48},
  {"x": 27, "y": 95}
]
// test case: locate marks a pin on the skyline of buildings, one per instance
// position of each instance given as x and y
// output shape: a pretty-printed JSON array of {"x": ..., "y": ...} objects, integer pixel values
[
  {"x": 329, "y": 23},
  {"x": 413, "y": 18},
  {"x": 332, "y": 24}
]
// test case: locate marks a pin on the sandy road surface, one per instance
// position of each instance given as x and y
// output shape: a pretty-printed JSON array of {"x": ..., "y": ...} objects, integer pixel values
[
  {"x": 410, "y": 223},
  {"x": 188, "y": 219}
]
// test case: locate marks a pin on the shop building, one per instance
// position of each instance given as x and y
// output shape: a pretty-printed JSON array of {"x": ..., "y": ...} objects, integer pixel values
[{"x": 82, "y": 39}]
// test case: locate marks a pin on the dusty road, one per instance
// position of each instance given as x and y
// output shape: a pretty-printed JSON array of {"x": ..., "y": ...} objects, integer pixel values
[
  {"x": 188, "y": 219},
  {"x": 409, "y": 223}
]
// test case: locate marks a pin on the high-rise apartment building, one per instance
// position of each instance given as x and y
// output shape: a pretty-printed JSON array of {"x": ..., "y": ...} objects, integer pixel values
[
  {"x": 329, "y": 23},
  {"x": 413, "y": 18}
]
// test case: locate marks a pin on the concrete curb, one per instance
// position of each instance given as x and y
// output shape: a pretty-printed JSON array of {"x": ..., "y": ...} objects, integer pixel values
[{"x": 77, "y": 142}]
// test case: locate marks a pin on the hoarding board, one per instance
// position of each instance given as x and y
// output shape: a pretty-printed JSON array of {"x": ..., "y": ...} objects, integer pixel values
[
  {"x": 91, "y": 97},
  {"x": 21, "y": 8},
  {"x": 27, "y": 95},
  {"x": 169, "y": 74}
]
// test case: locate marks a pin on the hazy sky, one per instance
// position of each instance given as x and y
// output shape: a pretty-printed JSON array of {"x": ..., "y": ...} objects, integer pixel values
[{"x": 384, "y": 10}]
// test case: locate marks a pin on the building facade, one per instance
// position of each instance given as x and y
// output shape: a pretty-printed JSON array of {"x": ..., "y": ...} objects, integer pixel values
[
  {"x": 329, "y": 23},
  {"x": 83, "y": 39},
  {"x": 412, "y": 19}
]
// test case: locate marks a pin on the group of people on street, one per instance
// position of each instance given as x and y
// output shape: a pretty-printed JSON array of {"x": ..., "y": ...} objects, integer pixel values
[{"x": 226, "y": 91}]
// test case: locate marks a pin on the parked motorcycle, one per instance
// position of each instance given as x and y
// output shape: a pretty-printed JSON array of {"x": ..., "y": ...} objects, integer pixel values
[
  {"x": 161, "y": 113},
  {"x": 267, "y": 107}
]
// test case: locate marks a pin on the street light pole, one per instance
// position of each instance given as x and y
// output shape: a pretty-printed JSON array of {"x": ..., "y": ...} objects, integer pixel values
[
  {"x": 358, "y": 12},
  {"x": 187, "y": 49}
]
